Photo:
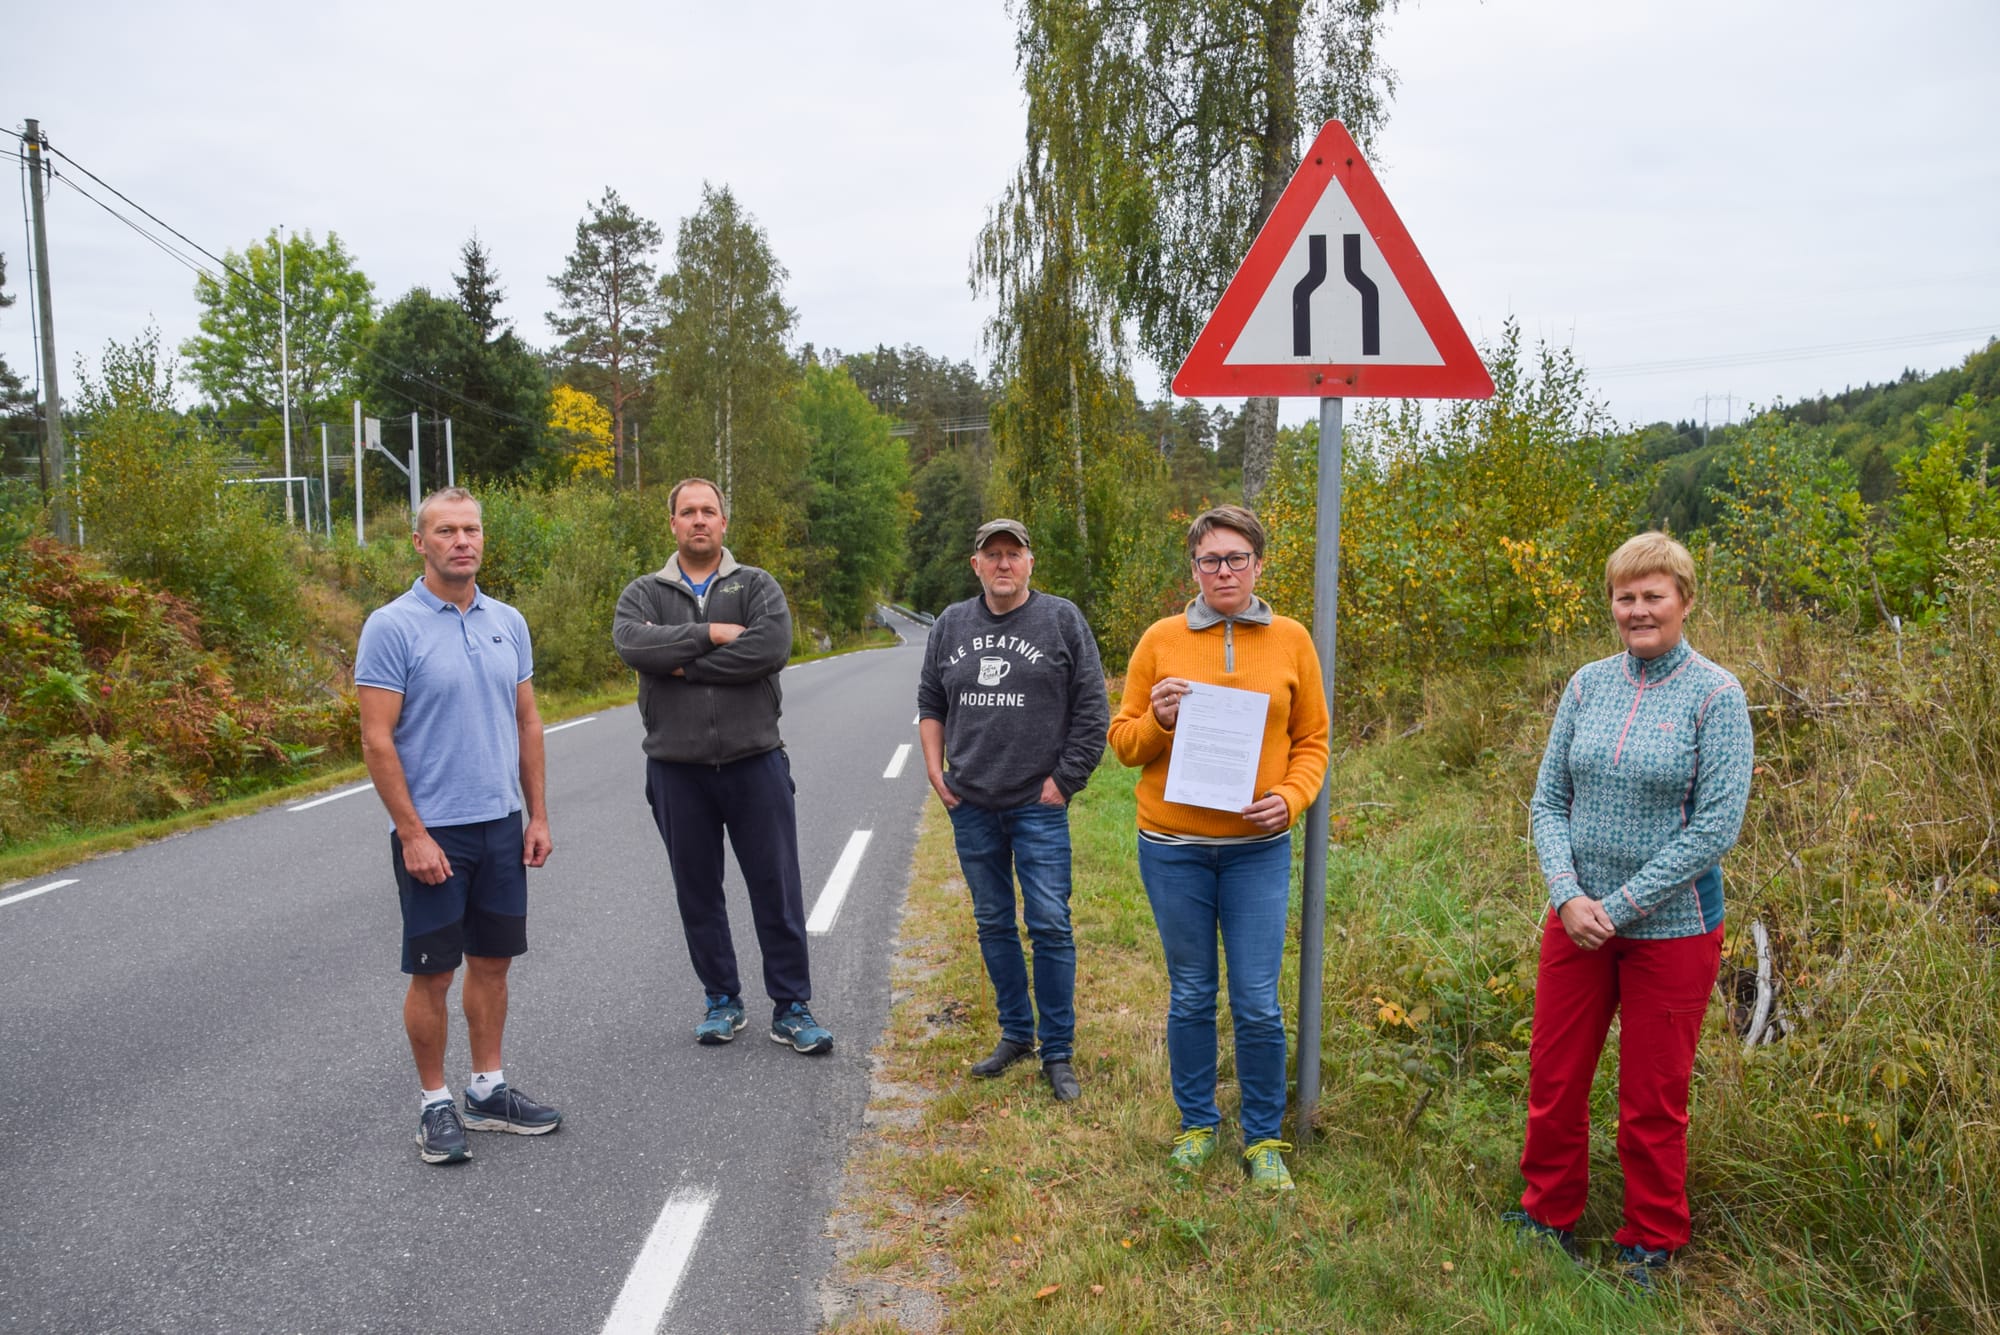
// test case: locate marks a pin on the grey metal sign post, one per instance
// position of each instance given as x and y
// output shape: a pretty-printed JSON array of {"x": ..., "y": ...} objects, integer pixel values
[
  {"x": 1318, "y": 826},
  {"x": 1289, "y": 325}
]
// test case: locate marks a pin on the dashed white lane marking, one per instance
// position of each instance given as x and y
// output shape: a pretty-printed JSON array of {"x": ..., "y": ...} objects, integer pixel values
[
  {"x": 649, "y": 1288},
  {"x": 333, "y": 797},
  {"x": 38, "y": 890},
  {"x": 830, "y": 899},
  {"x": 573, "y": 723},
  {"x": 915, "y": 719},
  {"x": 897, "y": 761}
]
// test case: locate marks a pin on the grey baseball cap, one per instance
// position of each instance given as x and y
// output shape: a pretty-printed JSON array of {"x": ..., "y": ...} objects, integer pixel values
[{"x": 993, "y": 528}]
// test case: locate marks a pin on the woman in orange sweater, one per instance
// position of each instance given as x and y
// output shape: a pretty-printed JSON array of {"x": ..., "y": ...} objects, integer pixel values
[{"x": 1209, "y": 872}]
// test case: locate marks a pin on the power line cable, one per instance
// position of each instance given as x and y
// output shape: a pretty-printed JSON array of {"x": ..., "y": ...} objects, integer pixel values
[
  {"x": 28, "y": 256},
  {"x": 324, "y": 327}
]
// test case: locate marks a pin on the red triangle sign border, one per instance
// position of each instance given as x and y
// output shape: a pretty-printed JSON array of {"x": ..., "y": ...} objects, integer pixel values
[{"x": 1334, "y": 155}]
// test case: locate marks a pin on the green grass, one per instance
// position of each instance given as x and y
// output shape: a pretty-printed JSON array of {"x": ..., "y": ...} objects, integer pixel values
[{"x": 1846, "y": 1179}]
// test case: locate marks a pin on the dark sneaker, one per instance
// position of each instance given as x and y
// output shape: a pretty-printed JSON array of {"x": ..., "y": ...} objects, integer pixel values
[
  {"x": 1639, "y": 1266},
  {"x": 724, "y": 1018},
  {"x": 1530, "y": 1229},
  {"x": 1005, "y": 1053},
  {"x": 441, "y": 1135},
  {"x": 797, "y": 1027},
  {"x": 508, "y": 1109},
  {"x": 1062, "y": 1080}
]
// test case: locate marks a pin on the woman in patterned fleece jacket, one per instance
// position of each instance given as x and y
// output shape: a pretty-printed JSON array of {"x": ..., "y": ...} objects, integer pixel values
[{"x": 1641, "y": 792}]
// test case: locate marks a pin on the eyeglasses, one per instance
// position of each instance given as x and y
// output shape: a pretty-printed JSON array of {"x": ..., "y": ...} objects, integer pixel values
[{"x": 1213, "y": 563}]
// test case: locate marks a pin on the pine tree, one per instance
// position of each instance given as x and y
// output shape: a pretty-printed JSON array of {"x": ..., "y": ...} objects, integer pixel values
[
  {"x": 479, "y": 290},
  {"x": 609, "y": 300}
]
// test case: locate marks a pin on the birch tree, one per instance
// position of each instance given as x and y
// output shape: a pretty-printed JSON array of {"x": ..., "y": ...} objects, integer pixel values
[{"x": 1167, "y": 129}]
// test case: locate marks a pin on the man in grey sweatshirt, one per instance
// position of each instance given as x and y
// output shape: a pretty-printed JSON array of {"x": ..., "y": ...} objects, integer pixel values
[{"x": 1012, "y": 696}]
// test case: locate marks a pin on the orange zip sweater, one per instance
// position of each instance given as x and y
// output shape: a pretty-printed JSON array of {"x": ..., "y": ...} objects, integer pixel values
[{"x": 1278, "y": 660}]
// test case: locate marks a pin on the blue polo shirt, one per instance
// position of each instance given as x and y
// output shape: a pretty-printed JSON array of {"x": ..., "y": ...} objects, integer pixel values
[{"x": 457, "y": 673}]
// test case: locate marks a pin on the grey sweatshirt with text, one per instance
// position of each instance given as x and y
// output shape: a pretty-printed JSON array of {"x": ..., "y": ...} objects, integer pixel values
[{"x": 1021, "y": 697}]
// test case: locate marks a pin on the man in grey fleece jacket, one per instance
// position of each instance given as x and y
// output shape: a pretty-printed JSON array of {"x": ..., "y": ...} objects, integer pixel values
[
  {"x": 708, "y": 638},
  {"x": 1012, "y": 694}
]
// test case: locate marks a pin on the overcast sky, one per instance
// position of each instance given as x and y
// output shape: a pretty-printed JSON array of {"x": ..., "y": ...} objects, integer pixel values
[{"x": 1791, "y": 195}]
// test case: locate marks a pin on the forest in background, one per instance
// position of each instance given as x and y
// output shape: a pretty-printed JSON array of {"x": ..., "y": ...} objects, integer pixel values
[{"x": 1471, "y": 531}]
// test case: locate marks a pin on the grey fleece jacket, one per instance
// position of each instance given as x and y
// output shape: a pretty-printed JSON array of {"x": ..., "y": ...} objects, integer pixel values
[
  {"x": 725, "y": 704},
  {"x": 1021, "y": 697}
]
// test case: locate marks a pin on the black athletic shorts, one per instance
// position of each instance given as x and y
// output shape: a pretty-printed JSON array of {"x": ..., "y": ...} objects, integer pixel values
[{"x": 480, "y": 909}]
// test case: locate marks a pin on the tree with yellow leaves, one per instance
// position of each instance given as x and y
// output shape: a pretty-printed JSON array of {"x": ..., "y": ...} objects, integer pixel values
[{"x": 582, "y": 430}]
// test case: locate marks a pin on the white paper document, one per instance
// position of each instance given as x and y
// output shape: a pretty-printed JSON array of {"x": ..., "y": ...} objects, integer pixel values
[{"x": 1217, "y": 740}]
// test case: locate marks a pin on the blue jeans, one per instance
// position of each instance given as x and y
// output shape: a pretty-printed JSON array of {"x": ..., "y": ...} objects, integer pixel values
[
  {"x": 1031, "y": 842},
  {"x": 1242, "y": 891}
]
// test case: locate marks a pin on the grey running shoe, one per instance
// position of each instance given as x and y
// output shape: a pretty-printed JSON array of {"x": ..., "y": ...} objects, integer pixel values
[
  {"x": 441, "y": 1135},
  {"x": 508, "y": 1109}
]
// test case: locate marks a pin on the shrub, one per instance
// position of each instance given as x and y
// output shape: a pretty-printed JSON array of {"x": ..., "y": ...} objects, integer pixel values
[{"x": 153, "y": 496}]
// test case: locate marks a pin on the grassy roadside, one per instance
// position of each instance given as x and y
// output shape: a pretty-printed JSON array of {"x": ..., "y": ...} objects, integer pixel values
[
  {"x": 44, "y": 856},
  {"x": 1006, "y": 1212},
  {"x": 47, "y": 855},
  {"x": 1058, "y": 1219}
]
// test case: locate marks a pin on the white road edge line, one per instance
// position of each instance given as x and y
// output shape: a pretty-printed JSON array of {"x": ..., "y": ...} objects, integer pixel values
[
  {"x": 369, "y": 787},
  {"x": 333, "y": 797},
  {"x": 649, "y": 1287},
  {"x": 38, "y": 890},
  {"x": 828, "y": 907},
  {"x": 897, "y": 761}
]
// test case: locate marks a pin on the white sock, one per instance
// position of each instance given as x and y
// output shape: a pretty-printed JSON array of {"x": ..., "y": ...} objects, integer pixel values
[
  {"x": 483, "y": 1083},
  {"x": 442, "y": 1094}
]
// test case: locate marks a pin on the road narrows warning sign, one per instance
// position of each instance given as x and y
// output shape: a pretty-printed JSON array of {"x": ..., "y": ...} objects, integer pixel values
[{"x": 1292, "y": 324}]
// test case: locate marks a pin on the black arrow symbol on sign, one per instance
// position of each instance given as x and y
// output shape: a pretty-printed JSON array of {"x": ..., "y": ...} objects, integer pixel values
[{"x": 1371, "y": 300}]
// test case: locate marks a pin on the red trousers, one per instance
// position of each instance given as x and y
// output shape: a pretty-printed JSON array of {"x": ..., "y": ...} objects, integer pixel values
[{"x": 1660, "y": 989}]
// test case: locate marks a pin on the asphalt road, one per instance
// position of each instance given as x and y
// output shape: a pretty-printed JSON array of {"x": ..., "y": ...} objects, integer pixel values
[{"x": 207, "y": 1104}]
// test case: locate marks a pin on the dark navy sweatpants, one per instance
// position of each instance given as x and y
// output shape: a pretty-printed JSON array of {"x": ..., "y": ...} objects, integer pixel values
[{"x": 752, "y": 799}]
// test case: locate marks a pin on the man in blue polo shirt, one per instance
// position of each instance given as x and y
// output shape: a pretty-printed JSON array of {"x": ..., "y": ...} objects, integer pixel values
[{"x": 453, "y": 741}]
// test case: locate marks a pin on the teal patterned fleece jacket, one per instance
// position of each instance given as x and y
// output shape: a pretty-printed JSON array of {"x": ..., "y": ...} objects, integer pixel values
[{"x": 1642, "y": 791}]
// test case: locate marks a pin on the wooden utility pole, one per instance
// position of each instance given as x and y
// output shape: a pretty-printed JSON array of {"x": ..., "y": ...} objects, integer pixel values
[{"x": 55, "y": 475}]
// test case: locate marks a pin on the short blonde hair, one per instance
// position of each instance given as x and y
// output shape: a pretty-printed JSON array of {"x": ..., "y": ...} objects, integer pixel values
[
  {"x": 443, "y": 494},
  {"x": 1650, "y": 554}
]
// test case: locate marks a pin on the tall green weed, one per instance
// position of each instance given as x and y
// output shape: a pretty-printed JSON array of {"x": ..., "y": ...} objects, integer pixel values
[{"x": 1845, "y": 1176}]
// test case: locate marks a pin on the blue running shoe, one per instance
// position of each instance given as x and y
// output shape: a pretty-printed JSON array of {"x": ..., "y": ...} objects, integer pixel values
[
  {"x": 724, "y": 1018},
  {"x": 1529, "y": 1229},
  {"x": 795, "y": 1025},
  {"x": 1637, "y": 1266},
  {"x": 508, "y": 1109},
  {"x": 440, "y": 1135}
]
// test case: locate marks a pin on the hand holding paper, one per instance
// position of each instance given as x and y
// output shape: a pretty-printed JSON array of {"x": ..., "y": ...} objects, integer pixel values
[{"x": 1217, "y": 742}]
